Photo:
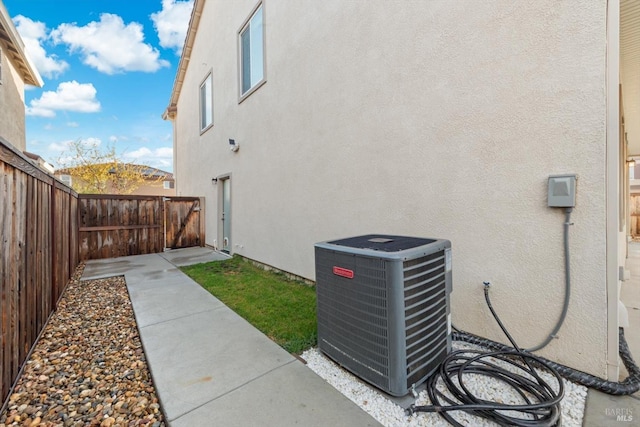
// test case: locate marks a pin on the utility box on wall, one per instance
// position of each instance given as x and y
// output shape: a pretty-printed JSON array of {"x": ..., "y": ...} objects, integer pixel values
[{"x": 383, "y": 307}]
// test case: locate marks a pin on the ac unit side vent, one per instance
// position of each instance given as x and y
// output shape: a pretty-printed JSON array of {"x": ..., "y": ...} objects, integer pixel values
[{"x": 425, "y": 298}]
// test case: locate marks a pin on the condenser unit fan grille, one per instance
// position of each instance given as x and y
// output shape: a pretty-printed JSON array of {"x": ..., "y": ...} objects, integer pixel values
[{"x": 354, "y": 327}]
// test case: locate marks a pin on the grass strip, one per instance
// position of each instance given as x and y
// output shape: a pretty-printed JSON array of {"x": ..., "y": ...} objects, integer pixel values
[{"x": 283, "y": 309}]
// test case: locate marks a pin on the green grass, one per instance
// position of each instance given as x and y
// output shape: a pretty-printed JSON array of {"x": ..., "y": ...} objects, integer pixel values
[{"x": 283, "y": 309}]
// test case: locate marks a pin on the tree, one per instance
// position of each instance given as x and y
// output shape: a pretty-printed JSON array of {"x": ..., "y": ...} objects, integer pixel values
[{"x": 99, "y": 171}]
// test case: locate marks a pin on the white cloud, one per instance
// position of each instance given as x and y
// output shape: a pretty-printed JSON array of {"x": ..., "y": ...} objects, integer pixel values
[
  {"x": 59, "y": 146},
  {"x": 34, "y": 34},
  {"x": 166, "y": 152},
  {"x": 160, "y": 157},
  {"x": 110, "y": 46},
  {"x": 118, "y": 138},
  {"x": 63, "y": 146},
  {"x": 172, "y": 22},
  {"x": 70, "y": 96},
  {"x": 73, "y": 124}
]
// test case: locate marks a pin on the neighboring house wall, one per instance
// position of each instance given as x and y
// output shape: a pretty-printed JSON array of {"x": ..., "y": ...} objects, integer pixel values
[
  {"x": 154, "y": 189},
  {"x": 12, "y": 119},
  {"x": 16, "y": 70},
  {"x": 433, "y": 119}
]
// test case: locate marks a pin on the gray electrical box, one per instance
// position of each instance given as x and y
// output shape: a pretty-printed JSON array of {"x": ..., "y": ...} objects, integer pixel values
[{"x": 562, "y": 191}]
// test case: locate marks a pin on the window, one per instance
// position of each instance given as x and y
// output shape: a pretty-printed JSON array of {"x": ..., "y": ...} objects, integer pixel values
[
  {"x": 252, "y": 53},
  {"x": 206, "y": 103},
  {"x": 66, "y": 179},
  {"x": 168, "y": 185}
]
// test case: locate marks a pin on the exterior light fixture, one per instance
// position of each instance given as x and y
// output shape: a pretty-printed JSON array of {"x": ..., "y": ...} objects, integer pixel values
[
  {"x": 214, "y": 180},
  {"x": 631, "y": 163},
  {"x": 233, "y": 145}
]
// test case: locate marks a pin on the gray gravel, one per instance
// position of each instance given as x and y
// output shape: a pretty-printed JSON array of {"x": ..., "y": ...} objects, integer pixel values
[
  {"x": 88, "y": 368},
  {"x": 388, "y": 413}
]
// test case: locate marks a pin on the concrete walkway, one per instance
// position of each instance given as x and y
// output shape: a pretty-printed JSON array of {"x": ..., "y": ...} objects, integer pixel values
[{"x": 211, "y": 367}]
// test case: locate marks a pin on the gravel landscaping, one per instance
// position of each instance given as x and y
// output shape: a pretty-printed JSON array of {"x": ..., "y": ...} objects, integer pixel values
[
  {"x": 88, "y": 368},
  {"x": 388, "y": 413}
]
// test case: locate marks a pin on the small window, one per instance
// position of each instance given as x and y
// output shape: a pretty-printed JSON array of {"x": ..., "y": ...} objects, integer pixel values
[
  {"x": 206, "y": 103},
  {"x": 168, "y": 185},
  {"x": 252, "y": 52},
  {"x": 66, "y": 179}
]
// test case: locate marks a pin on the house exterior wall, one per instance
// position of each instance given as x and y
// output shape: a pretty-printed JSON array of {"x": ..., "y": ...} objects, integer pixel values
[
  {"x": 154, "y": 189},
  {"x": 435, "y": 119},
  {"x": 12, "y": 118}
]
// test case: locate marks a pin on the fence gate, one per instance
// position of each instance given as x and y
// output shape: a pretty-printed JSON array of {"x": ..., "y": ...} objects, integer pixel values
[
  {"x": 634, "y": 210},
  {"x": 183, "y": 222}
]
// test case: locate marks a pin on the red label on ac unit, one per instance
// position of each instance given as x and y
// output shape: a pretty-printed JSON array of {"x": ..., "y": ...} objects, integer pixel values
[{"x": 343, "y": 272}]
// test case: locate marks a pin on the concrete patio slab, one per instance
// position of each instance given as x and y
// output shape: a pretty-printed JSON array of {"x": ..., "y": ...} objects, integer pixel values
[
  {"x": 190, "y": 256},
  {"x": 209, "y": 365},
  {"x": 131, "y": 265},
  {"x": 157, "y": 301},
  {"x": 288, "y": 396},
  {"x": 206, "y": 355}
]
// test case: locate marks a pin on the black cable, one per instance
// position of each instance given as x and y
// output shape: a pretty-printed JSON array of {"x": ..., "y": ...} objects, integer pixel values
[
  {"x": 542, "y": 402},
  {"x": 627, "y": 387}
]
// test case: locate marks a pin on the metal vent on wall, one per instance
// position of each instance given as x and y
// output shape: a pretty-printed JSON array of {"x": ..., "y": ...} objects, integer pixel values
[{"x": 383, "y": 307}]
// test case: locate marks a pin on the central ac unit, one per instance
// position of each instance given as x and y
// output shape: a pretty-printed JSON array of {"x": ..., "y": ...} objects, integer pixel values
[{"x": 383, "y": 307}]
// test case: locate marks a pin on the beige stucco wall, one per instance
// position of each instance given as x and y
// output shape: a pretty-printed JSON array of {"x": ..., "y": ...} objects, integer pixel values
[
  {"x": 12, "y": 124},
  {"x": 154, "y": 189},
  {"x": 435, "y": 119}
]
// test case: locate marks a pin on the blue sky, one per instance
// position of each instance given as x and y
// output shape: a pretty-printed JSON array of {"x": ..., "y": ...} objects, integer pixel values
[{"x": 108, "y": 68}]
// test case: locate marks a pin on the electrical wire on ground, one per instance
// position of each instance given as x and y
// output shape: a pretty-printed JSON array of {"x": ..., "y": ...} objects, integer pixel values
[
  {"x": 541, "y": 405},
  {"x": 630, "y": 385}
]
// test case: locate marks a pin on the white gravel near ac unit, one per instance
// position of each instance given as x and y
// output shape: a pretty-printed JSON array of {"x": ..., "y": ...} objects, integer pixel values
[{"x": 388, "y": 413}]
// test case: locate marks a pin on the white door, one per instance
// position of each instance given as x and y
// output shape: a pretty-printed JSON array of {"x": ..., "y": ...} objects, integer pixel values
[{"x": 226, "y": 215}]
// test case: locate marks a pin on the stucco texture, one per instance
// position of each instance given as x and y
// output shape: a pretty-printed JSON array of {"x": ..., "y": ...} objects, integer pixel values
[
  {"x": 427, "y": 118},
  {"x": 12, "y": 125}
]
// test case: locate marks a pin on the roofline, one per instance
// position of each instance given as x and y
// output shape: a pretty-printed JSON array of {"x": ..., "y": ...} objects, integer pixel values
[
  {"x": 194, "y": 22},
  {"x": 156, "y": 171},
  {"x": 24, "y": 64}
]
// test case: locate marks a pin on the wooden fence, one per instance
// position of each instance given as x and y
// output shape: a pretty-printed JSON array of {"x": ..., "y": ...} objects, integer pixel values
[
  {"x": 38, "y": 254},
  {"x": 634, "y": 208},
  {"x": 118, "y": 225},
  {"x": 184, "y": 224}
]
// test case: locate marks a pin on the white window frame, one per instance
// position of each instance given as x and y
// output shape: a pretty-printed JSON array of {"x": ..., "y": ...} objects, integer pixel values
[
  {"x": 205, "y": 103},
  {"x": 256, "y": 77},
  {"x": 66, "y": 179}
]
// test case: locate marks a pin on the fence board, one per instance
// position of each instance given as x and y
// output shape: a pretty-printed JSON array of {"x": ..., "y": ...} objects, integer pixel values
[
  {"x": 634, "y": 208},
  {"x": 28, "y": 281},
  {"x": 122, "y": 225},
  {"x": 183, "y": 225},
  {"x": 115, "y": 225}
]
